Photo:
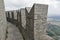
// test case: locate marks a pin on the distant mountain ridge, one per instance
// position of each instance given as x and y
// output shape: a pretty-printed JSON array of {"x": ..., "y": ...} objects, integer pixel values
[{"x": 54, "y": 18}]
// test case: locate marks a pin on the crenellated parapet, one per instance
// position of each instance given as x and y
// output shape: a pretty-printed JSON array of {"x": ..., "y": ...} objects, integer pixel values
[{"x": 31, "y": 21}]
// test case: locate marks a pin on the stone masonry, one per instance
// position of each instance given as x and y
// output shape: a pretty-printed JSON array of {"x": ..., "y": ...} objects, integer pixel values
[
  {"x": 32, "y": 21},
  {"x": 15, "y": 14},
  {"x": 13, "y": 32},
  {"x": 23, "y": 17},
  {"x": 36, "y": 21},
  {"x": 2, "y": 21}
]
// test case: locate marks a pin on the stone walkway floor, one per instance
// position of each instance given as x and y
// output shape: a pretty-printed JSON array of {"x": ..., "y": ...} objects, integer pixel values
[{"x": 13, "y": 33}]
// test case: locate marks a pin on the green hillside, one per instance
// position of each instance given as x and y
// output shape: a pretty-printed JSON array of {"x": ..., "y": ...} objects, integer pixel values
[{"x": 53, "y": 30}]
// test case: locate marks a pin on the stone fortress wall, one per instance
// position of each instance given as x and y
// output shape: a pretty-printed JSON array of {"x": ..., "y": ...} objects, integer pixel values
[
  {"x": 31, "y": 21},
  {"x": 3, "y": 23}
]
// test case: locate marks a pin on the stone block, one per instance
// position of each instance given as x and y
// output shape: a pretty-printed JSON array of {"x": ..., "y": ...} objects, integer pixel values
[
  {"x": 15, "y": 14},
  {"x": 40, "y": 15},
  {"x": 23, "y": 17},
  {"x": 36, "y": 21}
]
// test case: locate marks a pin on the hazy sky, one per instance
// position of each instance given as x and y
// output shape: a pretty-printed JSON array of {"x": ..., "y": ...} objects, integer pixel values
[{"x": 53, "y": 10}]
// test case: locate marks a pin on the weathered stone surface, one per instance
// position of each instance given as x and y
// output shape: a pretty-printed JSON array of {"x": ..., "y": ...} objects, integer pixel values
[
  {"x": 32, "y": 22},
  {"x": 23, "y": 17},
  {"x": 10, "y": 14},
  {"x": 19, "y": 25},
  {"x": 40, "y": 22},
  {"x": 13, "y": 33},
  {"x": 46, "y": 37},
  {"x": 36, "y": 21},
  {"x": 6, "y": 13},
  {"x": 19, "y": 17},
  {"x": 15, "y": 14},
  {"x": 2, "y": 21},
  {"x": 40, "y": 16}
]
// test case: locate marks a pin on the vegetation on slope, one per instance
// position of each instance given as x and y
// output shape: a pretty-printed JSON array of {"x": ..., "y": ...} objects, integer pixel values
[{"x": 53, "y": 31}]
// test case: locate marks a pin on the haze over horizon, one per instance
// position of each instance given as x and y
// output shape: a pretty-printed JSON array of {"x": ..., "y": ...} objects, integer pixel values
[{"x": 53, "y": 9}]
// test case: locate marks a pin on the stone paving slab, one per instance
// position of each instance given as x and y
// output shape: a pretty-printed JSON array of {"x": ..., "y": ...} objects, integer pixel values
[{"x": 13, "y": 33}]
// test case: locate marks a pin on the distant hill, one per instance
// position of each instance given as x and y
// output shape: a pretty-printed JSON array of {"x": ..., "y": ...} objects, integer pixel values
[
  {"x": 55, "y": 18},
  {"x": 53, "y": 30}
]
